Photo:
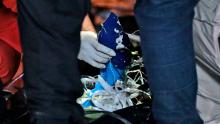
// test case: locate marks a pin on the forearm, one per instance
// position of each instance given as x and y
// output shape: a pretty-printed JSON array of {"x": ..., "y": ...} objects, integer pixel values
[{"x": 87, "y": 24}]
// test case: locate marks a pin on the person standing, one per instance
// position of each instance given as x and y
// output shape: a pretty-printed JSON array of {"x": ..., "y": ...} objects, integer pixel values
[
  {"x": 166, "y": 34},
  {"x": 50, "y": 37}
]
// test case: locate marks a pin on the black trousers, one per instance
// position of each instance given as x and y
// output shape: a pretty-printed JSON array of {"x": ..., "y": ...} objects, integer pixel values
[{"x": 50, "y": 35}]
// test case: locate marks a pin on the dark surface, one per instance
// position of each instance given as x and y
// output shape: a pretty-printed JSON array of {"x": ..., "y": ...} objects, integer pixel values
[
  {"x": 128, "y": 23},
  {"x": 86, "y": 69},
  {"x": 1, "y": 5},
  {"x": 15, "y": 109},
  {"x": 135, "y": 115}
]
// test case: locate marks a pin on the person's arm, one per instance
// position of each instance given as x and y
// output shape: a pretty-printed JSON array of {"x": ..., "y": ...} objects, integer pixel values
[{"x": 87, "y": 24}]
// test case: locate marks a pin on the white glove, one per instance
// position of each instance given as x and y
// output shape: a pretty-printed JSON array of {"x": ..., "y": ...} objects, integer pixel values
[{"x": 92, "y": 52}]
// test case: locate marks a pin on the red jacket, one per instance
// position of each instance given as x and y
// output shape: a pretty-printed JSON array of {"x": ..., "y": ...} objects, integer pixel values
[
  {"x": 10, "y": 35},
  {"x": 8, "y": 25}
]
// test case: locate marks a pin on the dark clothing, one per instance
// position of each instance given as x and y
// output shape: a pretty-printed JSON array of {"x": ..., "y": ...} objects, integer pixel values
[
  {"x": 166, "y": 33},
  {"x": 50, "y": 36}
]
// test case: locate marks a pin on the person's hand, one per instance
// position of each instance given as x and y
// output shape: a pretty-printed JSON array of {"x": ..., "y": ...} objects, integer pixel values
[{"x": 93, "y": 52}]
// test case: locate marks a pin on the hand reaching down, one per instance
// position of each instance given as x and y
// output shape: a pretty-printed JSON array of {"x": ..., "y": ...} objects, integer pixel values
[{"x": 93, "y": 52}]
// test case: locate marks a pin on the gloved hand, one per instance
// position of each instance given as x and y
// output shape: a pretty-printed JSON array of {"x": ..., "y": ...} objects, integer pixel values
[{"x": 93, "y": 52}]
